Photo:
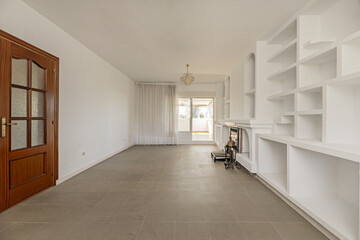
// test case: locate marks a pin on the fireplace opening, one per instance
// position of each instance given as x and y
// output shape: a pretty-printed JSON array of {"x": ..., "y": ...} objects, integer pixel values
[
  {"x": 235, "y": 136},
  {"x": 241, "y": 139}
]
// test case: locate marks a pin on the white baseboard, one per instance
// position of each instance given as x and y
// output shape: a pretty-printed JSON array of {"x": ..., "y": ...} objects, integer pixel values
[{"x": 63, "y": 179}]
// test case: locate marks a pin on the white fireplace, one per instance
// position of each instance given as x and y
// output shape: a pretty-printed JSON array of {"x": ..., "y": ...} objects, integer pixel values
[{"x": 248, "y": 128}]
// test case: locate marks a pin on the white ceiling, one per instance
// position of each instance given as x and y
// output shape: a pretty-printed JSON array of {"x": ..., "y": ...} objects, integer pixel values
[{"x": 152, "y": 40}]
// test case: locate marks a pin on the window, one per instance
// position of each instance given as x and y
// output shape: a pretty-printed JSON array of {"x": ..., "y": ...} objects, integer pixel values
[{"x": 184, "y": 105}]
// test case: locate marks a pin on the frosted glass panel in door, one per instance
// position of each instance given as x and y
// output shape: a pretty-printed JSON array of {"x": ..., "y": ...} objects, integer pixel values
[
  {"x": 19, "y": 72},
  {"x": 38, "y": 76},
  {"x": 18, "y": 102},
  {"x": 19, "y": 135},
  {"x": 37, "y": 133},
  {"x": 37, "y": 104}
]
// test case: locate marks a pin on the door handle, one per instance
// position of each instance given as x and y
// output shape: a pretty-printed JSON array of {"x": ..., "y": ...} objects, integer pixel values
[{"x": 3, "y": 126}]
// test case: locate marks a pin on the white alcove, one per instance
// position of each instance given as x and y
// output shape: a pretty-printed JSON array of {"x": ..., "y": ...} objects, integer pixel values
[
  {"x": 272, "y": 160},
  {"x": 328, "y": 187},
  {"x": 250, "y": 73},
  {"x": 284, "y": 126},
  {"x": 250, "y": 87},
  {"x": 311, "y": 37},
  {"x": 285, "y": 56},
  {"x": 285, "y": 35},
  {"x": 343, "y": 112},
  {"x": 309, "y": 127},
  {"x": 351, "y": 56},
  {"x": 284, "y": 80},
  {"x": 284, "y": 107},
  {"x": 311, "y": 99},
  {"x": 317, "y": 68}
]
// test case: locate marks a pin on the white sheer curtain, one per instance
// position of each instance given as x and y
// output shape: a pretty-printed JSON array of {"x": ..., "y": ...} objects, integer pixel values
[{"x": 155, "y": 114}]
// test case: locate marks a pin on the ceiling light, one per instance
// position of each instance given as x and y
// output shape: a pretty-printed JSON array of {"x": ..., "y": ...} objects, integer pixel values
[{"x": 187, "y": 78}]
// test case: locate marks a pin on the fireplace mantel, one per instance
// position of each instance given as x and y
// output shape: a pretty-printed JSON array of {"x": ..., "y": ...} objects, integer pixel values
[
  {"x": 247, "y": 123},
  {"x": 250, "y": 127}
]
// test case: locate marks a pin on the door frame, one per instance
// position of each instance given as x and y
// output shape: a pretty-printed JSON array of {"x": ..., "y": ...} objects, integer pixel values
[
  {"x": 213, "y": 118},
  {"x": 4, "y": 174},
  {"x": 191, "y": 97}
]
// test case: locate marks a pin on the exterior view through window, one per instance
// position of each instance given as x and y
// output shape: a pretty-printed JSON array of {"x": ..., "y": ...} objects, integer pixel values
[{"x": 196, "y": 115}]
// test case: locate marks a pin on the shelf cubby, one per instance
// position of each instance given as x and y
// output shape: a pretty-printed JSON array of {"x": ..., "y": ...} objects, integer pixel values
[
  {"x": 284, "y": 80},
  {"x": 284, "y": 126},
  {"x": 272, "y": 157},
  {"x": 286, "y": 76},
  {"x": 249, "y": 108},
  {"x": 285, "y": 35},
  {"x": 343, "y": 112},
  {"x": 285, "y": 120},
  {"x": 327, "y": 188},
  {"x": 284, "y": 102},
  {"x": 311, "y": 38},
  {"x": 350, "y": 60},
  {"x": 283, "y": 73},
  {"x": 309, "y": 126},
  {"x": 249, "y": 80},
  {"x": 310, "y": 99},
  {"x": 318, "y": 67},
  {"x": 284, "y": 111},
  {"x": 285, "y": 56}
]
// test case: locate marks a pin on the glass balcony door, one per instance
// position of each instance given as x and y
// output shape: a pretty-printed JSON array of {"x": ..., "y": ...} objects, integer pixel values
[{"x": 195, "y": 119}]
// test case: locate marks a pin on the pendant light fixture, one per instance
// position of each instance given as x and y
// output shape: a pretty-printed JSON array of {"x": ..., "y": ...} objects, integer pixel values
[{"x": 187, "y": 78}]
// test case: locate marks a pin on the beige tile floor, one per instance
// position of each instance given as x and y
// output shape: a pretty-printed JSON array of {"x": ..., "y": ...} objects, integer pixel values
[{"x": 157, "y": 192}]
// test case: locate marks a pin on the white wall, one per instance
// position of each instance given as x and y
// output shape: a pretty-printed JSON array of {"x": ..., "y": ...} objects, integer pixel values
[{"x": 96, "y": 100}]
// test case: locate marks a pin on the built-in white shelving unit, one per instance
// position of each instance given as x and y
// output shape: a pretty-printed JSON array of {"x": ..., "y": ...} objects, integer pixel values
[
  {"x": 310, "y": 74},
  {"x": 324, "y": 186}
]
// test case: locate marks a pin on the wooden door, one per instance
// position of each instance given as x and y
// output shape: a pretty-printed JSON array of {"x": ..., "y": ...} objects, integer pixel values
[{"x": 28, "y": 114}]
